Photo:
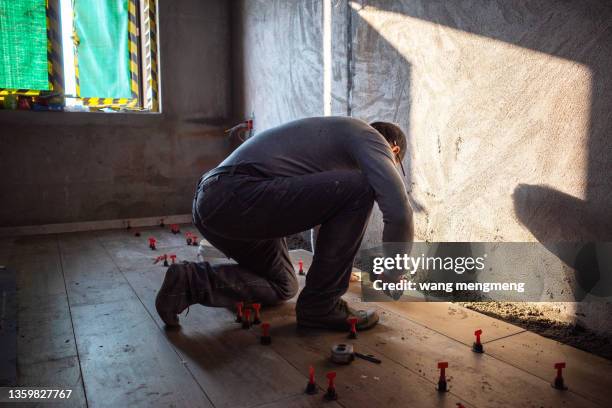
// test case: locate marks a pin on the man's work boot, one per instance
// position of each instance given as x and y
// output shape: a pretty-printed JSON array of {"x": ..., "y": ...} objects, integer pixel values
[
  {"x": 337, "y": 319},
  {"x": 174, "y": 295}
]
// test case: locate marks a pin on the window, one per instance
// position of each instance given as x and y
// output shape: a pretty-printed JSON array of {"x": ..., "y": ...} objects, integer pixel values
[{"x": 79, "y": 55}]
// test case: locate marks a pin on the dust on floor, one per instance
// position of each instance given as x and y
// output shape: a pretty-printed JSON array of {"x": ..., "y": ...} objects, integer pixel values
[{"x": 539, "y": 319}]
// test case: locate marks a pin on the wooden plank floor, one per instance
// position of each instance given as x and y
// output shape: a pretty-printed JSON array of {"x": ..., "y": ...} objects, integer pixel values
[
  {"x": 46, "y": 349},
  {"x": 87, "y": 321},
  {"x": 8, "y": 326}
]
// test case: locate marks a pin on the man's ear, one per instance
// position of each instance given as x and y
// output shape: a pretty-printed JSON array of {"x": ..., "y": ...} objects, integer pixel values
[{"x": 395, "y": 149}]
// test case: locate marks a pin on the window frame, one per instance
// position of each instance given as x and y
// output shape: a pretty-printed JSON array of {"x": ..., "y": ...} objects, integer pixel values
[{"x": 144, "y": 63}]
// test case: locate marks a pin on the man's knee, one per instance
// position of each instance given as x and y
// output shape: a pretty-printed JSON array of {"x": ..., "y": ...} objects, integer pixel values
[{"x": 288, "y": 288}]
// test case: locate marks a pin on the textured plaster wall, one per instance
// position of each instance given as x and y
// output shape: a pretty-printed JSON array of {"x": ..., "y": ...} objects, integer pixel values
[
  {"x": 507, "y": 106},
  {"x": 67, "y": 167}
]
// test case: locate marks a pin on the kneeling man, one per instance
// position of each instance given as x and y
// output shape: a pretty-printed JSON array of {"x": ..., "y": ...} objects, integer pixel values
[{"x": 325, "y": 171}]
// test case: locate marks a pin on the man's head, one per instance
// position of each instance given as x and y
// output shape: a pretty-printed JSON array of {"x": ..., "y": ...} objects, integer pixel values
[{"x": 394, "y": 136}]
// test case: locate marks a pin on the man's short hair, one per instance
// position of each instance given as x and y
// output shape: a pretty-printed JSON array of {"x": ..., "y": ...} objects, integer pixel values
[{"x": 393, "y": 134}]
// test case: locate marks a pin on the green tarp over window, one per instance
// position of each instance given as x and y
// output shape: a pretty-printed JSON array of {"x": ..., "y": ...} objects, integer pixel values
[
  {"x": 23, "y": 45},
  {"x": 103, "y": 56}
]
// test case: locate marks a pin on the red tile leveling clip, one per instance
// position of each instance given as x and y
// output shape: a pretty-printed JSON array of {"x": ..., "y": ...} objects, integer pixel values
[
  {"x": 265, "y": 339},
  {"x": 559, "y": 383},
  {"x": 442, "y": 385},
  {"x": 477, "y": 346}
]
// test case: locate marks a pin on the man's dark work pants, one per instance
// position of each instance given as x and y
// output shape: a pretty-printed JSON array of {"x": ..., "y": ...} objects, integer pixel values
[{"x": 246, "y": 215}]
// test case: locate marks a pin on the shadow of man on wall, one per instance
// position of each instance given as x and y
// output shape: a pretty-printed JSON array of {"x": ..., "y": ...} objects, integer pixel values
[{"x": 555, "y": 218}]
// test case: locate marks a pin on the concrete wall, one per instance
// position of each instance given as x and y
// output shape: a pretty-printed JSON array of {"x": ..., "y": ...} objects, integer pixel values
[
  {"x": 278, "y": 60},
  {"x": 67, "y": 167},
  {"x": 507, "y": 106}
]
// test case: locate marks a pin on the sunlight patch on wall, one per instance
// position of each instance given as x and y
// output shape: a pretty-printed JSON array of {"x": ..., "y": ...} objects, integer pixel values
[{"x": 478, "y": 104}]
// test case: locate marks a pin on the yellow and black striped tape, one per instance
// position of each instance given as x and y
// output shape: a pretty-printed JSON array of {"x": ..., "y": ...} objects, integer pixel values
[
  {"x": 109, "y": 102},
  {"x": 133, "y": 47},
  {"x": 154, "y": 62},
  {"x": 76, "y": 42},
  {"x": 54, "y": 48},
  {"x": 146, "y": 54},
  {"x": 153, "y": 103},
  {"x": 26, "y": 92}
]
